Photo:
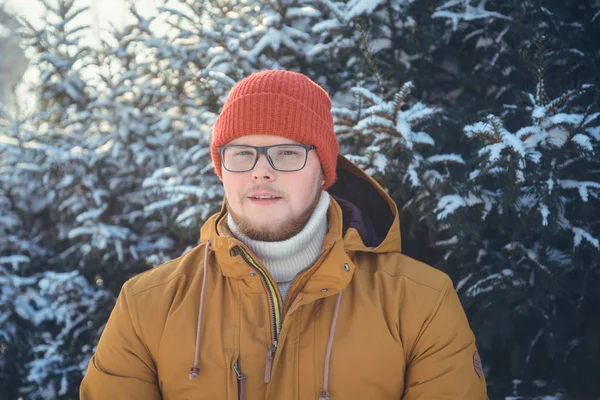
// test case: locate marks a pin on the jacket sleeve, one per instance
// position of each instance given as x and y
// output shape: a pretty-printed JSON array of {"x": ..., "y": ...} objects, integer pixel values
[
  {"x": 444, "y": 363},
  {"x": 122, "y": 367}
]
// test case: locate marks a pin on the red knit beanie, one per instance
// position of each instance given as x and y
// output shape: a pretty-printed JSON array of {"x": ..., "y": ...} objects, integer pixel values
[{"x": 281, "y": 103}]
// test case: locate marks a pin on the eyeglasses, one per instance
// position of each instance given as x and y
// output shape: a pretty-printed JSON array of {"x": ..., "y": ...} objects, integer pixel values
[{"x": 281, "y": 157}]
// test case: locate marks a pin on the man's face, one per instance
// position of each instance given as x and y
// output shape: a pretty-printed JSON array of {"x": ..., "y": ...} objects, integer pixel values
[{"x": 297, "y": 193}]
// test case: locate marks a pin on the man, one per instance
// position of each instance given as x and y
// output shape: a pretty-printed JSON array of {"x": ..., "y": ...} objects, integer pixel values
[{"x": 298, "y": 289}]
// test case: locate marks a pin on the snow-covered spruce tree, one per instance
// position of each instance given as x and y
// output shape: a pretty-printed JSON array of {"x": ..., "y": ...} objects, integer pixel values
[
  {"x": 281, "y": 36},
  {"x": 89, "y": 168},
  {"x": 29, "y": 236},
  {"x": 196, "y": 61},
  {"x": 60, "y": 57},
  {"x": 61, "y": 308},
  {"x": 461, "y": 53},
  {"x": 103, "y": 199},
  {"x": 19, "y": 244},
  {"x": 45, "y": 311},
  {"x": 100, "y": 200},
  {"x": 58, "y": 185},
  {"x": 522, "y": 233},
  {"x": 348, "y": 35},
  {"x": 213, "y": 34},
  {"x": 236, "y": 38},
  {"x": 484, "y": 44}
]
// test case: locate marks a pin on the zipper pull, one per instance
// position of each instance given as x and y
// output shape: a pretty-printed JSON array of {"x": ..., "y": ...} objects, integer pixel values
[
  {"x": 242, "y": 381},
  {"x": 269, "y": 365}
]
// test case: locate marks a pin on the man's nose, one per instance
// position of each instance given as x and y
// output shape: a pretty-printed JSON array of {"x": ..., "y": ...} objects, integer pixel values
[{"x": 263, "y": 170}]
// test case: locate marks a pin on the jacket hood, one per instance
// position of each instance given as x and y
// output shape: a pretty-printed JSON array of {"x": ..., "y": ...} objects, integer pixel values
[{"x": 369, "y": 217}]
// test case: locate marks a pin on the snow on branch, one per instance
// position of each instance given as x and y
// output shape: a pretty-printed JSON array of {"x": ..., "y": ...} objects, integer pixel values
[
  {"x": 355, "y": 8},
  {"x": 368, "y": 95},
  {"x": 463, "y": 10},
  {"x": 446, "y": 158},
  {"x": 581, "y": 234},
  {"x": 500, "y": 143},
  {"x": 448, "y": 204},
  {"x": 582, "y": 187},
  {"x": 302, "y": 12},
  {"x": 14, "y": 260},
  {"x": 491, "y": 282},
  {"x": 336, "y": 9}
]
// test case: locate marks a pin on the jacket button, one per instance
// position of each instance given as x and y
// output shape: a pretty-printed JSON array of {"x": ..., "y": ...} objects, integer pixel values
[
  {"x": 346, "y": 267},
  {"x": 252, "y": 273},
  {"x": 324, "y": 290}
]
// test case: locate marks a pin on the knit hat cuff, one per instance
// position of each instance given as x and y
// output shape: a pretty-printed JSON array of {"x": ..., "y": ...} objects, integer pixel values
[{"x": 281, "y": 115}]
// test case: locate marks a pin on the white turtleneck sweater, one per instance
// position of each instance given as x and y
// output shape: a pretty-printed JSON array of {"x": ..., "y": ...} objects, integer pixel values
[{"x": 285, "y": 259}]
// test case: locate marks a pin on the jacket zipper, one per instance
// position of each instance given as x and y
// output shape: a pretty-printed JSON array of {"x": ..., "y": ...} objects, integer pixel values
[
  {"x": 276, "y": 306},
  {"x": 241, "y": 381},
  {"x": 276, "y": 314}
]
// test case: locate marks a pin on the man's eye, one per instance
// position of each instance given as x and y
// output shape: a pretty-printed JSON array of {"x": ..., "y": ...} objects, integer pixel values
[
  {"x": 243, "y": 153},
  {"x": 288, "y": 153}
]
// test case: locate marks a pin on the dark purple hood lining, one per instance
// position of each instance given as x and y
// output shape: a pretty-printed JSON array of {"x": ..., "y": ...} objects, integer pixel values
[{"x": 363, "y": 208}]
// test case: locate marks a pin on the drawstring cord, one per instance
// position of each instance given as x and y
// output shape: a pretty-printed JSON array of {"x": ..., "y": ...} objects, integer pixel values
[
  {"x": 325, "y": 391},
  {"x": 195, "y": 369}
]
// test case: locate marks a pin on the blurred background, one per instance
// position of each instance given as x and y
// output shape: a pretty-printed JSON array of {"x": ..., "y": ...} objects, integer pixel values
[{"x": 481, "y": 119}]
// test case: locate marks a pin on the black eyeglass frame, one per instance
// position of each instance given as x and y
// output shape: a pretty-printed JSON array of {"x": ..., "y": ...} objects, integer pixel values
[{"x": 263, "y": 150}]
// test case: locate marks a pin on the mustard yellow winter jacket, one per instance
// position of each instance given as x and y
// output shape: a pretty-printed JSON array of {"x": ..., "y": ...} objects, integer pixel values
[{"x": 363, "y": 322}]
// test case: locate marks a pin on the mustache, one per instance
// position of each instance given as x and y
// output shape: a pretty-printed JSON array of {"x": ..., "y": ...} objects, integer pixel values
[{"x": 265, "y": 188}]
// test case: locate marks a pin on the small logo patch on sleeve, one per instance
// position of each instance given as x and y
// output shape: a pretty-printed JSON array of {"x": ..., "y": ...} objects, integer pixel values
[{"x": 477, "y": 364}]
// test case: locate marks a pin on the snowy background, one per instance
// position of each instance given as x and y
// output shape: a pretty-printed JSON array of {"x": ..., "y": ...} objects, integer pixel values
[{"x": 481, "y": 118}]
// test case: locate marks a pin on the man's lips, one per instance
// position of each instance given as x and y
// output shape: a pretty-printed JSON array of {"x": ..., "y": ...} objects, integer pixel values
[{"x": 263, "y": 198}]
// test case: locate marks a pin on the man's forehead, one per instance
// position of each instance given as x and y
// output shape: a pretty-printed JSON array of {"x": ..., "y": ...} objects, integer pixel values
[{"x": 262, "y": 140}]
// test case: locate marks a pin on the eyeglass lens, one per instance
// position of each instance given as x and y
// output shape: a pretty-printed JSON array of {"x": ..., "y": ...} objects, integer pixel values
[{"x": 284, "y": 158}]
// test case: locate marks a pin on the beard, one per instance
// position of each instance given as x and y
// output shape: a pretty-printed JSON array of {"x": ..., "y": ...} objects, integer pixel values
[{"x": 275, "y": 233}]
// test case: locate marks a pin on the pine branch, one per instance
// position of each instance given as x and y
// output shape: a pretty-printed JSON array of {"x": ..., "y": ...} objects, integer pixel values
[
  {"x": 369, "y": 57},
  {"x": 540, "y": 42},
  {"x": 562, "y": 101},
  {"x": 335, "y": 10},
  {"x": 400, "y": 97},
  {"x": 496, "y": 126}
]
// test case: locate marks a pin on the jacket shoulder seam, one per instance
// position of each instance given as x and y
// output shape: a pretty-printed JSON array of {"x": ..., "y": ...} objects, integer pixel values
[
  {"x": 173, "y": 261},
  {"x": 437, "y": 289},
  {"x": 162, "y": 283}
]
